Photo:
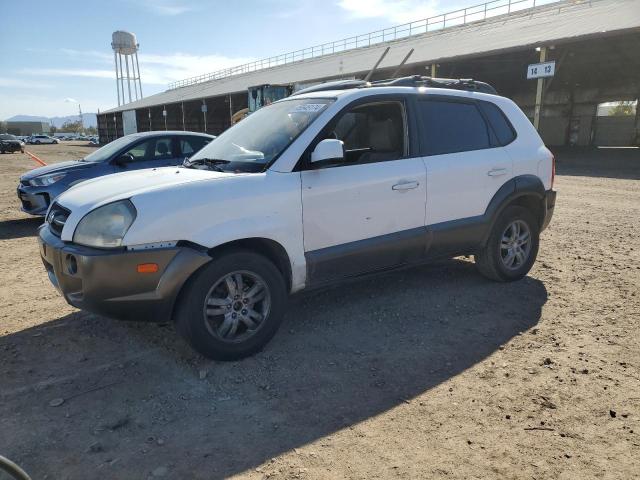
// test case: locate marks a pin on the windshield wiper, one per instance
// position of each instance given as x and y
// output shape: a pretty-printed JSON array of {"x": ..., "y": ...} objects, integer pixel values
[{"x": 209, "y": 162}]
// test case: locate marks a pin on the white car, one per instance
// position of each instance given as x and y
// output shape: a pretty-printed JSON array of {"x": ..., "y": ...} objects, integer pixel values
[
  {"x": 41, "y": 139},
  {"x": 312, "y": 190}
]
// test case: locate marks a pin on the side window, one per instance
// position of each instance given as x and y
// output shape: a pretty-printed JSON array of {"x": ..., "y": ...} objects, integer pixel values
[
  {"x": 450, "y": 127},
  {"x": 504, "y": 131},
  {"x": 372, "y": 132},
  {"x": 152, "y": 149},
  {"x": 190, "y": 145}
]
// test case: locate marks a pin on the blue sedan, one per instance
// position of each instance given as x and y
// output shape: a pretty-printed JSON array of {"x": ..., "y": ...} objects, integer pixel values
[{"x": 40, "y": 186}]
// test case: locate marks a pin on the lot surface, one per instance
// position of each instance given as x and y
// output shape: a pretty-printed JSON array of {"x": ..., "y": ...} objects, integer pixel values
[{"x": 432, "y": 372}]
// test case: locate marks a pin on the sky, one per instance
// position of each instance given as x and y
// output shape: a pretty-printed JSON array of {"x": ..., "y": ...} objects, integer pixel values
[{"x": 57, "y": 55}]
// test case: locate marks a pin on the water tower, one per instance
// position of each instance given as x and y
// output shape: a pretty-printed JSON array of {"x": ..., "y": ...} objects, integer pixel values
[{"x": 125, "y": 46}]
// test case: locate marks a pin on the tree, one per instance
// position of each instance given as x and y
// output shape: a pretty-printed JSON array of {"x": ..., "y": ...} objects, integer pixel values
[
  {"x": 623, "y": 109},
  {"x": 91, "y": 131},
  {"x": 53, "y": 129},
  {"x": 70, "y": 126}
]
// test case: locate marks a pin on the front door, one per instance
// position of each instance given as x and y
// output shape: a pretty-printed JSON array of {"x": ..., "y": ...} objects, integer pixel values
[
  {"x": 368, "y": 212},
  {"x": 152, "y": 153}
]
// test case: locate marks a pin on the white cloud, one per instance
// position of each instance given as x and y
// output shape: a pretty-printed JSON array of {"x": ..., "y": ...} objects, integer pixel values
[
  {"x": 167, "y": 7},
  {"x": 21, "y": 83},
  {"x": 12, "y": 103},
  {"x": 154, "y": 69},
  {"x": 70, "y": 100},
  {"x": 68, "y": 72},
  {"x": 396, "y": 11},
  {"x": 164, "y": 69},
  {"x": 88, "y": 54}
]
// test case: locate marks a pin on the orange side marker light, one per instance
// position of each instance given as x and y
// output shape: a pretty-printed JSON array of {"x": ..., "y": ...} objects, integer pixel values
[{"x": 147, "y": 267}]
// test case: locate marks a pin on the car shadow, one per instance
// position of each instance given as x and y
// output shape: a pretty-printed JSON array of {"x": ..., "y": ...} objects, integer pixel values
[
  {"x": 342, "y": 356},
  {"x": 621, "y": 163},
  {"x": 20, "y": 228}
]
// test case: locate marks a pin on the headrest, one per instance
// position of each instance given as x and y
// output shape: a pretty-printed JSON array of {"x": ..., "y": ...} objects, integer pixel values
[
  {"x": 162, "y": 148},
  {"x": 382, "y": 135}
]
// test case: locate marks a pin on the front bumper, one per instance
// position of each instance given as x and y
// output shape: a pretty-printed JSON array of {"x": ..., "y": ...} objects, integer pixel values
[
  {"x": 11, "y": 147},
  {"x": 107, "y": 282},
  {"x": 549, "y": 206},
  {"x": 34, "y": 200}
]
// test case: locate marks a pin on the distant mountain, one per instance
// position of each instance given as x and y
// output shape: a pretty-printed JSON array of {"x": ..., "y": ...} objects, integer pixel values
[{"x": 89, "y": 119}]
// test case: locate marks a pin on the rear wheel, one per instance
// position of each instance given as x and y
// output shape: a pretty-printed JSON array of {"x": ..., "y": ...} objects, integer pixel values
[
  {"x": 233, "y": 306},
  {"x": 512, "y": 247}
]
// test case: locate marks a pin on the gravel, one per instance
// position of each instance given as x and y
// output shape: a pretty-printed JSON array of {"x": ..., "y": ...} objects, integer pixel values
[{"x": 426, "y": 373}]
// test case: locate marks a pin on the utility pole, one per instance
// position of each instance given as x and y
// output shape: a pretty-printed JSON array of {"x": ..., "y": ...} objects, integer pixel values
[
  {"x": 81, "y": 120},
  {"x": 538, "y": 108}
]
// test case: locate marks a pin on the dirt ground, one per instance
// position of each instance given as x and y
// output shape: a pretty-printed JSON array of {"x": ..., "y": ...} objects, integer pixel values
[{"x": 432, "y": 372}]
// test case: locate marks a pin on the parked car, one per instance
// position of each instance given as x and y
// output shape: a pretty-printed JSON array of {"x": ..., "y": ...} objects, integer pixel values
[
  {"x": 42, "y": 139},
  {"x": 133, "y": 152},
  {"x": 10, "y": 143},
  {"x": 312, "y": 190}
]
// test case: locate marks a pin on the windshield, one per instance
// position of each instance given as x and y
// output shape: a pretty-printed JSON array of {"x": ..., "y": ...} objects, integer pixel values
[
  {"x": 6, "y": 136},
  {"x": 252, "y": 144},
  {"x": 106, "y": 152}
]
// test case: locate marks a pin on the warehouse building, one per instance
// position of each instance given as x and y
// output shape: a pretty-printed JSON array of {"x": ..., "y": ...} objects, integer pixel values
[
  {"x": 24, "y": 128},
  {"x": 594, "y": 46}
]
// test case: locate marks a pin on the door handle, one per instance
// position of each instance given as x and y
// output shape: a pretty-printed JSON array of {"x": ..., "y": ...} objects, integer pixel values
[
  {"x": 496, "y": 172},
  {"x": 403, "y": 186}
]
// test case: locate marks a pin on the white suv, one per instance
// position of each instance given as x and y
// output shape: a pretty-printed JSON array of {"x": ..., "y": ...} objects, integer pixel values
[
  {"x": 312, "y": 190},
  {"x": 39, "y": 139}
]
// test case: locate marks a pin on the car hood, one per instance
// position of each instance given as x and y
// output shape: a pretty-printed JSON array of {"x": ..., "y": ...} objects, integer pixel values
[
  {"x": 91, "y": 194},
  {"x": 61, "y": 167}
]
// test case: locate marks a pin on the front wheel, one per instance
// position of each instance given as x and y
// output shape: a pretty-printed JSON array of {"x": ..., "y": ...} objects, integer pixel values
[
  {"x": 512, "y": 247},
  {"x": 233, "y": 306}
]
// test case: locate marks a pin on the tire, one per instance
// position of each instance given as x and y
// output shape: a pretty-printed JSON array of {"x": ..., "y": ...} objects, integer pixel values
[
  {"x": 493, "y": 260},
  {"x": 37, "y": 142},
  {"x": 210, "y": 332}
]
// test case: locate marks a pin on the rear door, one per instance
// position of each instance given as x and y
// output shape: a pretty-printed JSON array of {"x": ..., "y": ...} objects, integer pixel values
[
  {"x": 366, "y": 213},
  {"x": 465, "y": 166}
]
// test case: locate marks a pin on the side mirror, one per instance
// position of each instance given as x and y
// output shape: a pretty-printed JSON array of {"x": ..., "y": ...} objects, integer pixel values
[
  {"x": 123, "y": 159},
  {"x": 329, "y": 149}
]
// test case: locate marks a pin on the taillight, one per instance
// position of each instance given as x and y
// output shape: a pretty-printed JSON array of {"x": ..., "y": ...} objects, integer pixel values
[{"x": 553, "y": 170}]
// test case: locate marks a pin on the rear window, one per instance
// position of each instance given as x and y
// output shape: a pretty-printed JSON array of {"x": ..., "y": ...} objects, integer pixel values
[
  {"x": 450, "y": 127},
  {"x": 502, "y": 128}
]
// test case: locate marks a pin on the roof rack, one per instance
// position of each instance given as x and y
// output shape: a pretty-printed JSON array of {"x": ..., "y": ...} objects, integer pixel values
[{"x": 467, "y": 84}]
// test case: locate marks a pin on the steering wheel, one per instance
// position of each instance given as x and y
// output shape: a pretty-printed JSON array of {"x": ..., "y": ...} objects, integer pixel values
[{"x": 12, "y": 469}]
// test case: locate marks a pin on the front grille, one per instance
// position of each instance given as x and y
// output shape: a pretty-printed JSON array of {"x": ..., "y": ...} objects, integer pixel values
[{"x": 56, "y": 218}]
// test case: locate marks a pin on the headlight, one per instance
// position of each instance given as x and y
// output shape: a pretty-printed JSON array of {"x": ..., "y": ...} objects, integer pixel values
[
  {"x": 106, "y": 226},
  {"x": 45, "y": 180}
]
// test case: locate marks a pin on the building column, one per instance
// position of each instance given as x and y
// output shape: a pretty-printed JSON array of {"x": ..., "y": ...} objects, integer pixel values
[
  {"x": 637, "y": 139},
  {"x": 539, "y": 90}
]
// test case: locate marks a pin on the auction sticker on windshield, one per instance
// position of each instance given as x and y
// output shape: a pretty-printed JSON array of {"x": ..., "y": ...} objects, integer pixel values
[{"x": 308, "y": 108}]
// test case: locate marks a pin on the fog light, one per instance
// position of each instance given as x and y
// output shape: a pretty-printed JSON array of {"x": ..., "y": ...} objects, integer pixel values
[{"x": 72, "y": 265}]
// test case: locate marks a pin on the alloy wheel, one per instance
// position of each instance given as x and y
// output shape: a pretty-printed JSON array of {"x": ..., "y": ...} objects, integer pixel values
[
  {"x": 515, "y": 245},
  {"x": 237, "y": 306}
]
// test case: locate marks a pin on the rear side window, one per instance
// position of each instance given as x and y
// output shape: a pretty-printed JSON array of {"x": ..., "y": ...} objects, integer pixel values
[
  {"x": 450, "y": 127},
  {"x": 502, "y": 128},
  {"x": 190, "y": 145}
]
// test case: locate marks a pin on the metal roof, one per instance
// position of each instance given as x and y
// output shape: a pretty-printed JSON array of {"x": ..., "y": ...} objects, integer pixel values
[{"x": 545, "y": 25}]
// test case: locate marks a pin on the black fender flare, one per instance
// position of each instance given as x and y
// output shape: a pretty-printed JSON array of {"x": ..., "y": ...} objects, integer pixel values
[{"x": 520, "y": 186}]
